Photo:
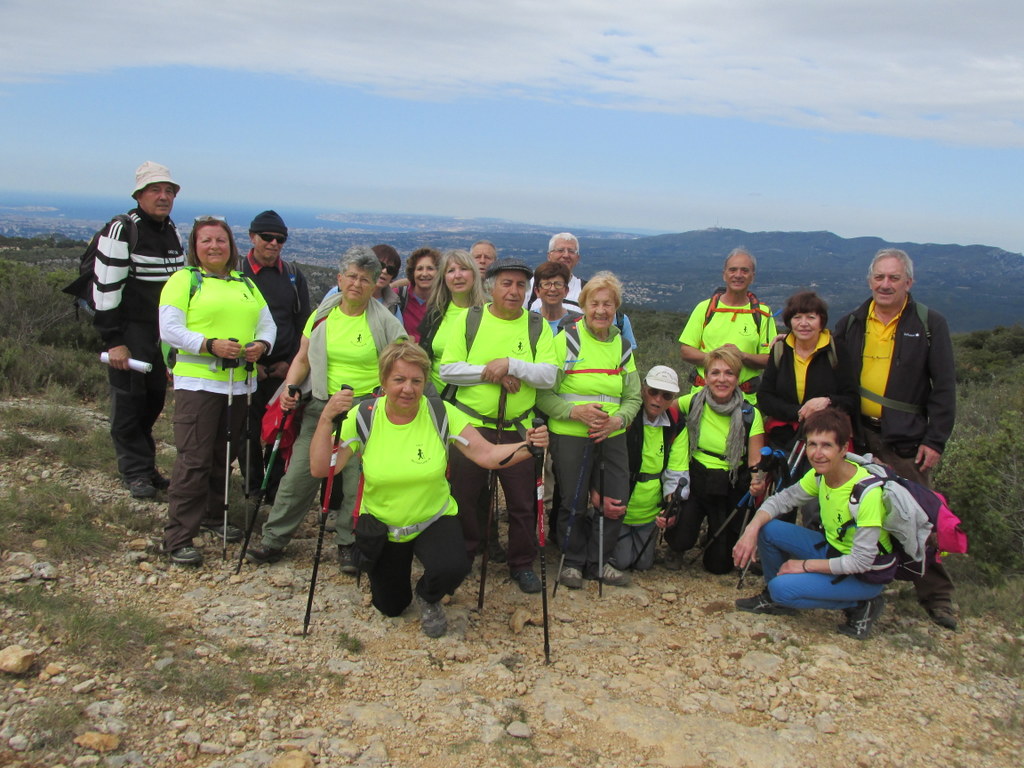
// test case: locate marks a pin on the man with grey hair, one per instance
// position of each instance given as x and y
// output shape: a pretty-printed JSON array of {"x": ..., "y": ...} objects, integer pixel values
[
  {"x": 484, "y": 253},
  {"x": 902, "y": 356},
  {"x": 732, "y": 317},
  {"x": 135, "y": 255},
  {"x": 340, "y": 345},
  {"x": 563, "y": 248}
]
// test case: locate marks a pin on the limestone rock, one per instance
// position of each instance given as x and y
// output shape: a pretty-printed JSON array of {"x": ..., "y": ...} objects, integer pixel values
[
  {"x": 295, "y": 758},
  {"x": 16, "y": 660},
  {"x": 98, "y": 742}
]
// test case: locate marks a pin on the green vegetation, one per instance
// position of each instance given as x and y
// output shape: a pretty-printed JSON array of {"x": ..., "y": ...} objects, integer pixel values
[{"x": 69, "y": 520}]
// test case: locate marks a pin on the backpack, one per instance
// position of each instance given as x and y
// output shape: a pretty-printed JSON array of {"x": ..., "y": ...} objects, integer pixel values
[
  {"x": 367, "y": 409},
  {"x": 572, "y": 352},
  {"x": 80, "y": 289},
  {"x": 755, "y": 309},
  {"x": 914, "y": 513}
]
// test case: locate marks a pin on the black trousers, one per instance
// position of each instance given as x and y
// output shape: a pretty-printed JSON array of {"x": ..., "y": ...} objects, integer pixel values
[
  {"x": 713, "y": 498},
  {"x": 442, "y": 552},
  {"x": 136, "y": 401}
]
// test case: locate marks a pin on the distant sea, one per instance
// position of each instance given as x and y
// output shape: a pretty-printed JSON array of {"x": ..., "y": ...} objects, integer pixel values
[{"x": 100, "y": 209}]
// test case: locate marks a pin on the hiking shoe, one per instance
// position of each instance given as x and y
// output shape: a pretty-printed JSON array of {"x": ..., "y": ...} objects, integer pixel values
[
  {"x": 260, "y": 554},
  {"x": 140, "y": 488},
  {"x": 571, "y": 578},
  {"x": 527, "y": 581},
  {"x": 231, "y": 533},
  {"x": 432, "y": 619},
  {"x": 331, "y": 523},
  {"x": 861, "y": 619},
  {"x": 763, "y": 603},
  {"x": 187, "y": 555},
  {"x": 159, "y": 482},
  {"x": 614, "y": 577},
  {"x": 673, "y": 561},
  {"x": 943, "y": 616},
  {"x": 346, "y": 560}
]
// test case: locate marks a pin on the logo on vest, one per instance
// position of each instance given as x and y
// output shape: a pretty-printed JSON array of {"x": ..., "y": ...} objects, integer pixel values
[
  {"x": 419, "y": 455},
  {"x": 361, "y": 339}
]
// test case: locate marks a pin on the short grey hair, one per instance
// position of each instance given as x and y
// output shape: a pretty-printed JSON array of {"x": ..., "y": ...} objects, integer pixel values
[
  {"x": 485, "y": 242},
  {"x": 362, "y": 258},
  {"x": 893, "y": 253},
  {"x": 564, "y": 236},
  {"x": 740, "y": 251}
]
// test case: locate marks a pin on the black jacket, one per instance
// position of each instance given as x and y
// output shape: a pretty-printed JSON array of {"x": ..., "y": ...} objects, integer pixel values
[
  {"x": 776, "y": 396},
  {"x": 921, "y": 372}
]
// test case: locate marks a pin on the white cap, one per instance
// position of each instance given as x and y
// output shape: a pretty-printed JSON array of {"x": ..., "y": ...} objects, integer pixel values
[
  {"x": 662, "y": 377},
  {"x": 153, "y": 173}
]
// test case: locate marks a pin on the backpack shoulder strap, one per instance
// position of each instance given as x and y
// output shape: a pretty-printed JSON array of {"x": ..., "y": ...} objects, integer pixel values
[
  {"x": 833, "y": 355},
  {"x": 572, "y": 346},
  {"x": 473, "y": 319},
  {"x": 536, "y": 327},
  {"x": 713, "y": 305},
  {"x": 777, "y": 352},
  {"x": 364, "y": 419},
  {"x": 922, "y": 315}
]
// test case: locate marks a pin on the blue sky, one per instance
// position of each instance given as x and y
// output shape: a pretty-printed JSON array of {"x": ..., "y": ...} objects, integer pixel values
[{"x": 899, "y": 119}]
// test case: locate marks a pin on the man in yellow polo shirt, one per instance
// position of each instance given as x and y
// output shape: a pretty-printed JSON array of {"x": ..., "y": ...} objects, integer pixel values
[{"x": 903, "y": 358}]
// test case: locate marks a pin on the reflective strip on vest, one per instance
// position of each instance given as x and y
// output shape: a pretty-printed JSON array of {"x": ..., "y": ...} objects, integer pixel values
[{"x": 572, "y": 397}]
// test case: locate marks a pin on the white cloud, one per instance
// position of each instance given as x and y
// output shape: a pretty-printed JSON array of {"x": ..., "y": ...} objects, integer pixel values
[{"x": 948, "y": 70}]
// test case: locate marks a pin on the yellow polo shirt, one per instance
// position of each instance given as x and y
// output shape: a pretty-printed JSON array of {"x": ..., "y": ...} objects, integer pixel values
[
  {"x": 879, "y": 343},
  {"x": 800, "y": 364}
]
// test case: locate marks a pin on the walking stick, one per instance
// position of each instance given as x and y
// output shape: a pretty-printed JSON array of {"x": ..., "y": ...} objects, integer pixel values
[
  {"x": 585, "y": 465},
  {"x": 230, "y": 364},
  {"x": 323, "y": 517},
  {"x": 492, "y": 490},
  {"x": 254, "y": 509},
  {"x": 600, "y": 520},
  {"x": 248, "y": 427},
  {"x": 538, "y": 470}
]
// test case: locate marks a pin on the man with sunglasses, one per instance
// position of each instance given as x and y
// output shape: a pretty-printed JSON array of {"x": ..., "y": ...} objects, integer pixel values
[
  {"x": 287, "y": 295},
  {"x": 657, "y": 462},
  {"x": 135, "y": 255}
]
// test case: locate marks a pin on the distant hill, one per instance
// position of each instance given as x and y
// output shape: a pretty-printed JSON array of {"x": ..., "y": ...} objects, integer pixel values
[{"x": 974, "y": 286}]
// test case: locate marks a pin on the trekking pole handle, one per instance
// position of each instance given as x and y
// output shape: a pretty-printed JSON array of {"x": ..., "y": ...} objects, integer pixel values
[
  {"x": 536, "y": 451},
  {"x": 341, "y": 416},
  {"x": 294, "y": 389},
  {"x": 249, "y": 365},
  {"x": 230, "y": 362}
]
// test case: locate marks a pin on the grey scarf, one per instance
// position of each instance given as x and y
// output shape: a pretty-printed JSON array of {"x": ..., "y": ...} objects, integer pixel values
[{"x": 735, "y": 444}]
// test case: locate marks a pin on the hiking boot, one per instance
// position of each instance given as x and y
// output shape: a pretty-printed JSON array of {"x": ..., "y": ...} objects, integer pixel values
[
  {"x": 187, "y": 555},
  {"x": 527, "y": 581},
  {"x": 614, "y": 577},
  {"x": 432, "y": 619},
  {"x": 140, "y": 488},
  {"x": 231, "y": 533},
  {"x": 260, "y": 554},
  {"x": 571, "y": 578},
  {"x": 673, "y": 560},
  {"x": 763, "y": 603},
  {"x": 860, "y": 619},
  {"x": 159, "y": 482},
  {"x": 346, "y": 560},
  {"x": 331, "y": 523},
  {"x": 943, "y": 616}
]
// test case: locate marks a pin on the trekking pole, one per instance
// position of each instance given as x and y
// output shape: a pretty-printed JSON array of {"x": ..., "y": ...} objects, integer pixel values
[
  {"x": 248, "y": 429},
  {"x": 744, "y": 500},
  {"x": 746, "y": 517},
  {"x": 665, "y": 515},
  {"x": 600, "y": 520},
  {"x": 230, "y": 364},
  {"x": 538, "y": 470},
  {"x": 325, "y": 508},
  {"x": 795, "y": 456},
  {"x": 492, "y": 490},
  {"x": 585, "y": 464},
  {"x": 250, "y": 522}
]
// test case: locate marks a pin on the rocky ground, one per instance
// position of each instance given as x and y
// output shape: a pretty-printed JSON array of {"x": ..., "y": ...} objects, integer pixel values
[{"x": 662, "y": 673}]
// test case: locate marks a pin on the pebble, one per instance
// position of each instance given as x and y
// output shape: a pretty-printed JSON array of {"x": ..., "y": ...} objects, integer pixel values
[{"x": 519, "y": 729}]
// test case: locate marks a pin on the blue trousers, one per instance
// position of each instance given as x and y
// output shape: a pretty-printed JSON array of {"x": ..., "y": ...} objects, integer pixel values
[{"x": 778, "y": 542}]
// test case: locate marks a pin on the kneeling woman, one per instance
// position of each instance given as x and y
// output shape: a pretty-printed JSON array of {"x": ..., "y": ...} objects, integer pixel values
[
  {"x": 405, "y": 493},
  {"x": 725, "y": 436},
  {"x": 844, "y": 569}
]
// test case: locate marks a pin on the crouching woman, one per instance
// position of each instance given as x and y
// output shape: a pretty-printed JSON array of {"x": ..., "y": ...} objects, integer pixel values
[
  {"x": 407, "y": 509},
  {"x": 845, "y": 567}
]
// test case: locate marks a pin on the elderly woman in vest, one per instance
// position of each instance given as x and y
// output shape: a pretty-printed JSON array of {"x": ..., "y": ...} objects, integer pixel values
[
  {"x": 407, "y": 509},
  {"x": 216, "y": 320},
  {"x": 595, "y": 397},
  {"x": 340, "y": 345},
  {"x": 725, "y": 435}
]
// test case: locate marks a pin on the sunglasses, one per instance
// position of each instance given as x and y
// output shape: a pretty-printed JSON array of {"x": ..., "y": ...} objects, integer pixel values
[
  {"x": 661, "y": 393},
  {"x": 267, "y": 237}
]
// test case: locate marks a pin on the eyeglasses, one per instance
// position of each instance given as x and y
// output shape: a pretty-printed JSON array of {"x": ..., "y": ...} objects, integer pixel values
[
  {"x": 661, "y": 393},
  {"x": 570, "y": 251},
  {"x": 267, "y": 237},
  {"x": 547, "y": 285},
  {"x": 356, "y": 278}
]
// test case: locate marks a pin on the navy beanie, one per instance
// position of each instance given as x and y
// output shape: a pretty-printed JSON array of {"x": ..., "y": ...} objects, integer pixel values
[{"x": 268, "y": 221}]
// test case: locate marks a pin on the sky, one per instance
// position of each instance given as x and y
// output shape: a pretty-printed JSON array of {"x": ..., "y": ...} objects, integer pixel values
[{"x": 901, "y": 119}]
